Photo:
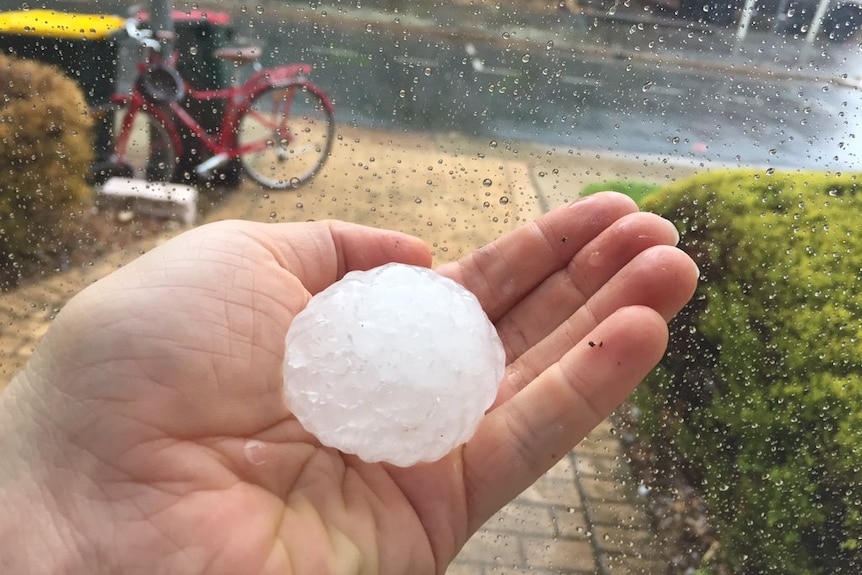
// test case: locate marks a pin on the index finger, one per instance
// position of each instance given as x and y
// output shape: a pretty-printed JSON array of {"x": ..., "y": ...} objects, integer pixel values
[{"x": 503, "y": 272}]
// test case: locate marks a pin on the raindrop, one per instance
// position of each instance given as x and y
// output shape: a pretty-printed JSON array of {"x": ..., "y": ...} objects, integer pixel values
[
  {"x": 487, "y": 182},
  {"x": 254, "y": 452},
  {"x": 504, "y": 200},
  {"x": 493, "y": 143},
  {"x": 525, "y": 58},
  {"x": 259, "y": 9},
  {"x": 427, "y": 70}
]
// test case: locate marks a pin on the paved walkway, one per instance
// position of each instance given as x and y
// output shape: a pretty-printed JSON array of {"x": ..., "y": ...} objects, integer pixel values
[{"x": 584, "y": 515}]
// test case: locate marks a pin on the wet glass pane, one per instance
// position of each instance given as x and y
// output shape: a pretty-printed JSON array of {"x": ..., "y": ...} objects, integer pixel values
[{"x": 124, "y": 125}]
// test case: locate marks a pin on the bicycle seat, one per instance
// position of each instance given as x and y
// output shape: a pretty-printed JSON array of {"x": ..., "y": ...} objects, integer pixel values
[{"x": 245, "y": 55}]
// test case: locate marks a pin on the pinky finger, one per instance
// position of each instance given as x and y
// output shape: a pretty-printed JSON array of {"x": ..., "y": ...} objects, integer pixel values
[{"x": 517, "y": 442}]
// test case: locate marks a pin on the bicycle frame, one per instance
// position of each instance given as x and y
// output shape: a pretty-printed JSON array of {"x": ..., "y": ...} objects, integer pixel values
[{"x": 223, "y": 143}]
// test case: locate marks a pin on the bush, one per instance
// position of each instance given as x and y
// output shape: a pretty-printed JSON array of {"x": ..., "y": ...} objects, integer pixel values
[
  {"x": 45, "y": 152},
  {"x": 635, "y": 190},
  {"x": 759, "y": 398}
]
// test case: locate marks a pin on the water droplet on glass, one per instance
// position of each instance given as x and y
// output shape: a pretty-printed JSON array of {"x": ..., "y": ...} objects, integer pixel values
[
  {"x": 493, "y": 143},
  {"x": 504, "y": 200},
  {"x": 525, "y": 58},
  {"x": 254, "y": 452},
  {"x": 487, "y": 182}
]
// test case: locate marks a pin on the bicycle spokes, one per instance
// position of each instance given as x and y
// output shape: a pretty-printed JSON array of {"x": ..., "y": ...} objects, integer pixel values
[{"x": 285, "y": 135}]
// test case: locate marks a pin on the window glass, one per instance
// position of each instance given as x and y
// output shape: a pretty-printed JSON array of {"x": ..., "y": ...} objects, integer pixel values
[{"x": 456, "y": 122}]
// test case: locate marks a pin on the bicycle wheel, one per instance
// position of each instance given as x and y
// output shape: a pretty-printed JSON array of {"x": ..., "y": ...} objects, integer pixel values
[
  {"x": 145, "y": 147},
  {"x": 285, "y": 135}
]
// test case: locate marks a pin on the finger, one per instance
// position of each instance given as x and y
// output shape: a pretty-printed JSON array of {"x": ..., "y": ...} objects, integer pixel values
[
  {"x": 320, "y": 253},
  {"x": 503, "y": 272},
  {"x": 662, "y": 278},
  {"x": 522, "y": 439},
  {"x": 566, "y": 290}
]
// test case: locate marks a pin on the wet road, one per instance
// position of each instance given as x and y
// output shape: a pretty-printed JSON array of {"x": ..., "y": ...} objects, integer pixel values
[
  {"x": 498, "y": 86},
  {"x": 505, "y": 91}
]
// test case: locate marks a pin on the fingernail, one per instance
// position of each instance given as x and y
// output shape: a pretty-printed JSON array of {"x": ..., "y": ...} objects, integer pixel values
[
  {"x": 675, "y": 232},
  {"x": 579, "y": 200}
]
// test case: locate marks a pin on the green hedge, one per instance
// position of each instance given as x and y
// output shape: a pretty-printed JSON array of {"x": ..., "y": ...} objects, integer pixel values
[
  {"x": 45, "y": 152},
  {"x": 636, "y": 190},
  {"x": 759, "y": 398}
]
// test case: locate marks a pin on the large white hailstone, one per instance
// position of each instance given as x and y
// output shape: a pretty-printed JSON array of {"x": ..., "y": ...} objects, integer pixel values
[{"x": 394, "y": 364}]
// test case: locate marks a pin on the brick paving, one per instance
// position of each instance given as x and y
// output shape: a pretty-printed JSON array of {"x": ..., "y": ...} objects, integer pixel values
[{"x": 584, "y": 515}]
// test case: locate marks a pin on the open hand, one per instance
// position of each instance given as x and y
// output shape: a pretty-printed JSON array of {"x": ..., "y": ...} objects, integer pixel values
[{"x": 149, "y": 433}]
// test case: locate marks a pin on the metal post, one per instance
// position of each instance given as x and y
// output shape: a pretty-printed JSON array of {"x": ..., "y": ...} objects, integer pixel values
[
  {"x": 745, "y": 20},
  {"x": 817, "y": 21},
  {"x": 163, "y": 23}
]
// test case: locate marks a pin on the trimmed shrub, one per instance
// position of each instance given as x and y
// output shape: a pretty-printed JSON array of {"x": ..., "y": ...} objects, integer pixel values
[
  {"x": 635, "y": 190},
  {"x": 45, "y": 153},
  {"x": 759, "y": 398}
]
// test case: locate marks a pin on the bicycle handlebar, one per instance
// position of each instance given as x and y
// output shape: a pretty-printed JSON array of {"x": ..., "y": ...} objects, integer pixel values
[{"x": 142, "y": 36}]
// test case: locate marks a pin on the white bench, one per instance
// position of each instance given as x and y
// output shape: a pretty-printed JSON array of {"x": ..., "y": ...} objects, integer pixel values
[{"x": 161, "y": 199}]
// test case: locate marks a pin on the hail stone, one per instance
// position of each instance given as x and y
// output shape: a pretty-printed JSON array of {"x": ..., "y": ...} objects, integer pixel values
[{"x": 394, "y": 364}]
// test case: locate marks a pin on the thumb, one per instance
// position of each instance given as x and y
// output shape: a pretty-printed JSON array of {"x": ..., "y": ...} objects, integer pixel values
[{"x": 320, "y": 253}]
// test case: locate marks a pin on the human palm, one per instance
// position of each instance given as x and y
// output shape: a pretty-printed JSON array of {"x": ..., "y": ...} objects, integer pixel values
[{"x": 153, "y": 410}]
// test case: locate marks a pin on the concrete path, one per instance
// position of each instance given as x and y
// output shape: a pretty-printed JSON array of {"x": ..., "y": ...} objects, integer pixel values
[{"x": 584, "y": 515}]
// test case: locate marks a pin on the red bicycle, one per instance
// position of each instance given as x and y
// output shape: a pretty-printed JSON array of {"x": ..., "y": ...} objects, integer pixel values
[{"x": 278, "y": 123}]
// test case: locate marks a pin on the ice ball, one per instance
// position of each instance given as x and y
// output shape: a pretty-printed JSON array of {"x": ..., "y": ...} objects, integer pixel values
[{"x": 394, "y": 364}]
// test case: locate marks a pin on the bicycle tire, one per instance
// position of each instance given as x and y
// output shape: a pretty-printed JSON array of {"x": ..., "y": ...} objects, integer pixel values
[
  {"x": 149, "y": 153},
  {"x": 287, "y": 133}
]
